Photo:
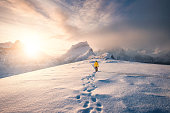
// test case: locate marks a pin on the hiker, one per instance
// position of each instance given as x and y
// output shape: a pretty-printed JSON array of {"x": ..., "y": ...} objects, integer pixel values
[{"x": 96, "y": 65}]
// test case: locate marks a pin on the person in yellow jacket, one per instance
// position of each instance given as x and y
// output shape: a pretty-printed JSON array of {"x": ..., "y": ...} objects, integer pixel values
[{"x": 96, "y": 65}]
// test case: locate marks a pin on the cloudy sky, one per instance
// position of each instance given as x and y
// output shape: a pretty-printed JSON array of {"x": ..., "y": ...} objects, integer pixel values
[{"x": 57, "y": 24}]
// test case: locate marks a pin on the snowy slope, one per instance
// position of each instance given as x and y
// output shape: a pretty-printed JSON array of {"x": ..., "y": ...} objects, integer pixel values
[{"x": 119, "y": 87}]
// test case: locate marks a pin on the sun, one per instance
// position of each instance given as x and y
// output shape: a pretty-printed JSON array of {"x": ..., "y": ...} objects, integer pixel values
[{"x": 32, "y": 48}]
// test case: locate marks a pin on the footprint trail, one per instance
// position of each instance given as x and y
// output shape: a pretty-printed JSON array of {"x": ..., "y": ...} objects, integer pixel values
[{"x": 90, "y": 102}]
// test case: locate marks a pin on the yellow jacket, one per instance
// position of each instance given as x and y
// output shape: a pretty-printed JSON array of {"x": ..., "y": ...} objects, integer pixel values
[{"x": 96, "y": 64}]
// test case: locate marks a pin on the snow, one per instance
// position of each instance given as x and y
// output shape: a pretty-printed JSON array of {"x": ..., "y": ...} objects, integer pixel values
[
  {"x": 106, "y": 56},
  {"x": 78, "y": 52},
  {"x": 118, "y": 87},
  {"x": 15, "y": 61},
  {"x": 156, "y": 56},
  {"x": 103, "y": 56}
]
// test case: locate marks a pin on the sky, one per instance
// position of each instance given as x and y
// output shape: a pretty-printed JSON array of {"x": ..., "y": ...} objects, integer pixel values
[{"x": 57, "y": 24}]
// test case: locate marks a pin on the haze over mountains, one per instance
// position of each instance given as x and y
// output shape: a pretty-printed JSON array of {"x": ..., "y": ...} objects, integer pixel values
[
  {"x": 144, "y": 56},
  {"x": 13, "y": 59}
]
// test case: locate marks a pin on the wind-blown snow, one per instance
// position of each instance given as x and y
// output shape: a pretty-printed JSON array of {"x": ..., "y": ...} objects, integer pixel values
[{"x": 118, "y": 87}]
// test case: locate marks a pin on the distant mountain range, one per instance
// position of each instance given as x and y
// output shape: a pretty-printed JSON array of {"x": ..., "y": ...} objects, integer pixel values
[
  {"x": 13, "y": 59},
  {"x": 163, "y": 57},
  {"x": 81, "y": 51}
]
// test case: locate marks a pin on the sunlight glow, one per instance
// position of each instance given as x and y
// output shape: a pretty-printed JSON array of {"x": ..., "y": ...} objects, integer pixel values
[
  {"x": 32, "y": 46},
  {"x": 32, "y": 50}
]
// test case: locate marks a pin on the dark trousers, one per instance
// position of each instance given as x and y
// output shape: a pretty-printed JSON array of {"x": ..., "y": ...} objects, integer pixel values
[{"x": 96, "y": 69}]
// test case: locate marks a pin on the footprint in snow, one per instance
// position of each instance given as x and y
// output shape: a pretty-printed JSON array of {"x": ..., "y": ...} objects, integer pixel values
[
  {"x": 86, "y": 110},
  {"x": 78, "y": 97},
  {"x": 91, "y": 105},
  {"x": 99, "y": 104},
  {"x": 86, "y": 104},
  {"x": 93, "y": 99},
  {"x": 99, "y": 109}
]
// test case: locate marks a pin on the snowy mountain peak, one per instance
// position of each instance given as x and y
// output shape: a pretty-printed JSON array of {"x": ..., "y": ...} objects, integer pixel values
[
  {"x": 80, "y": 44},
  {"x": 86, "y": 55},
  {"x": 77, "y": 52}
]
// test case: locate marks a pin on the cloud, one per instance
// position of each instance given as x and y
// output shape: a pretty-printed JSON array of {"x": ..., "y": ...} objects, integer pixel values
[
  {"x": 104, "y": 23},
  {"x": 36, "y": 15},
  {"x": 91, "y": 14},
  {"x": 131, "y": 24}
]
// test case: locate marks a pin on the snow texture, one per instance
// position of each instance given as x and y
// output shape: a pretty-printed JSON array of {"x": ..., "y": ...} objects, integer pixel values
[{"x": 118, "y": 87}]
